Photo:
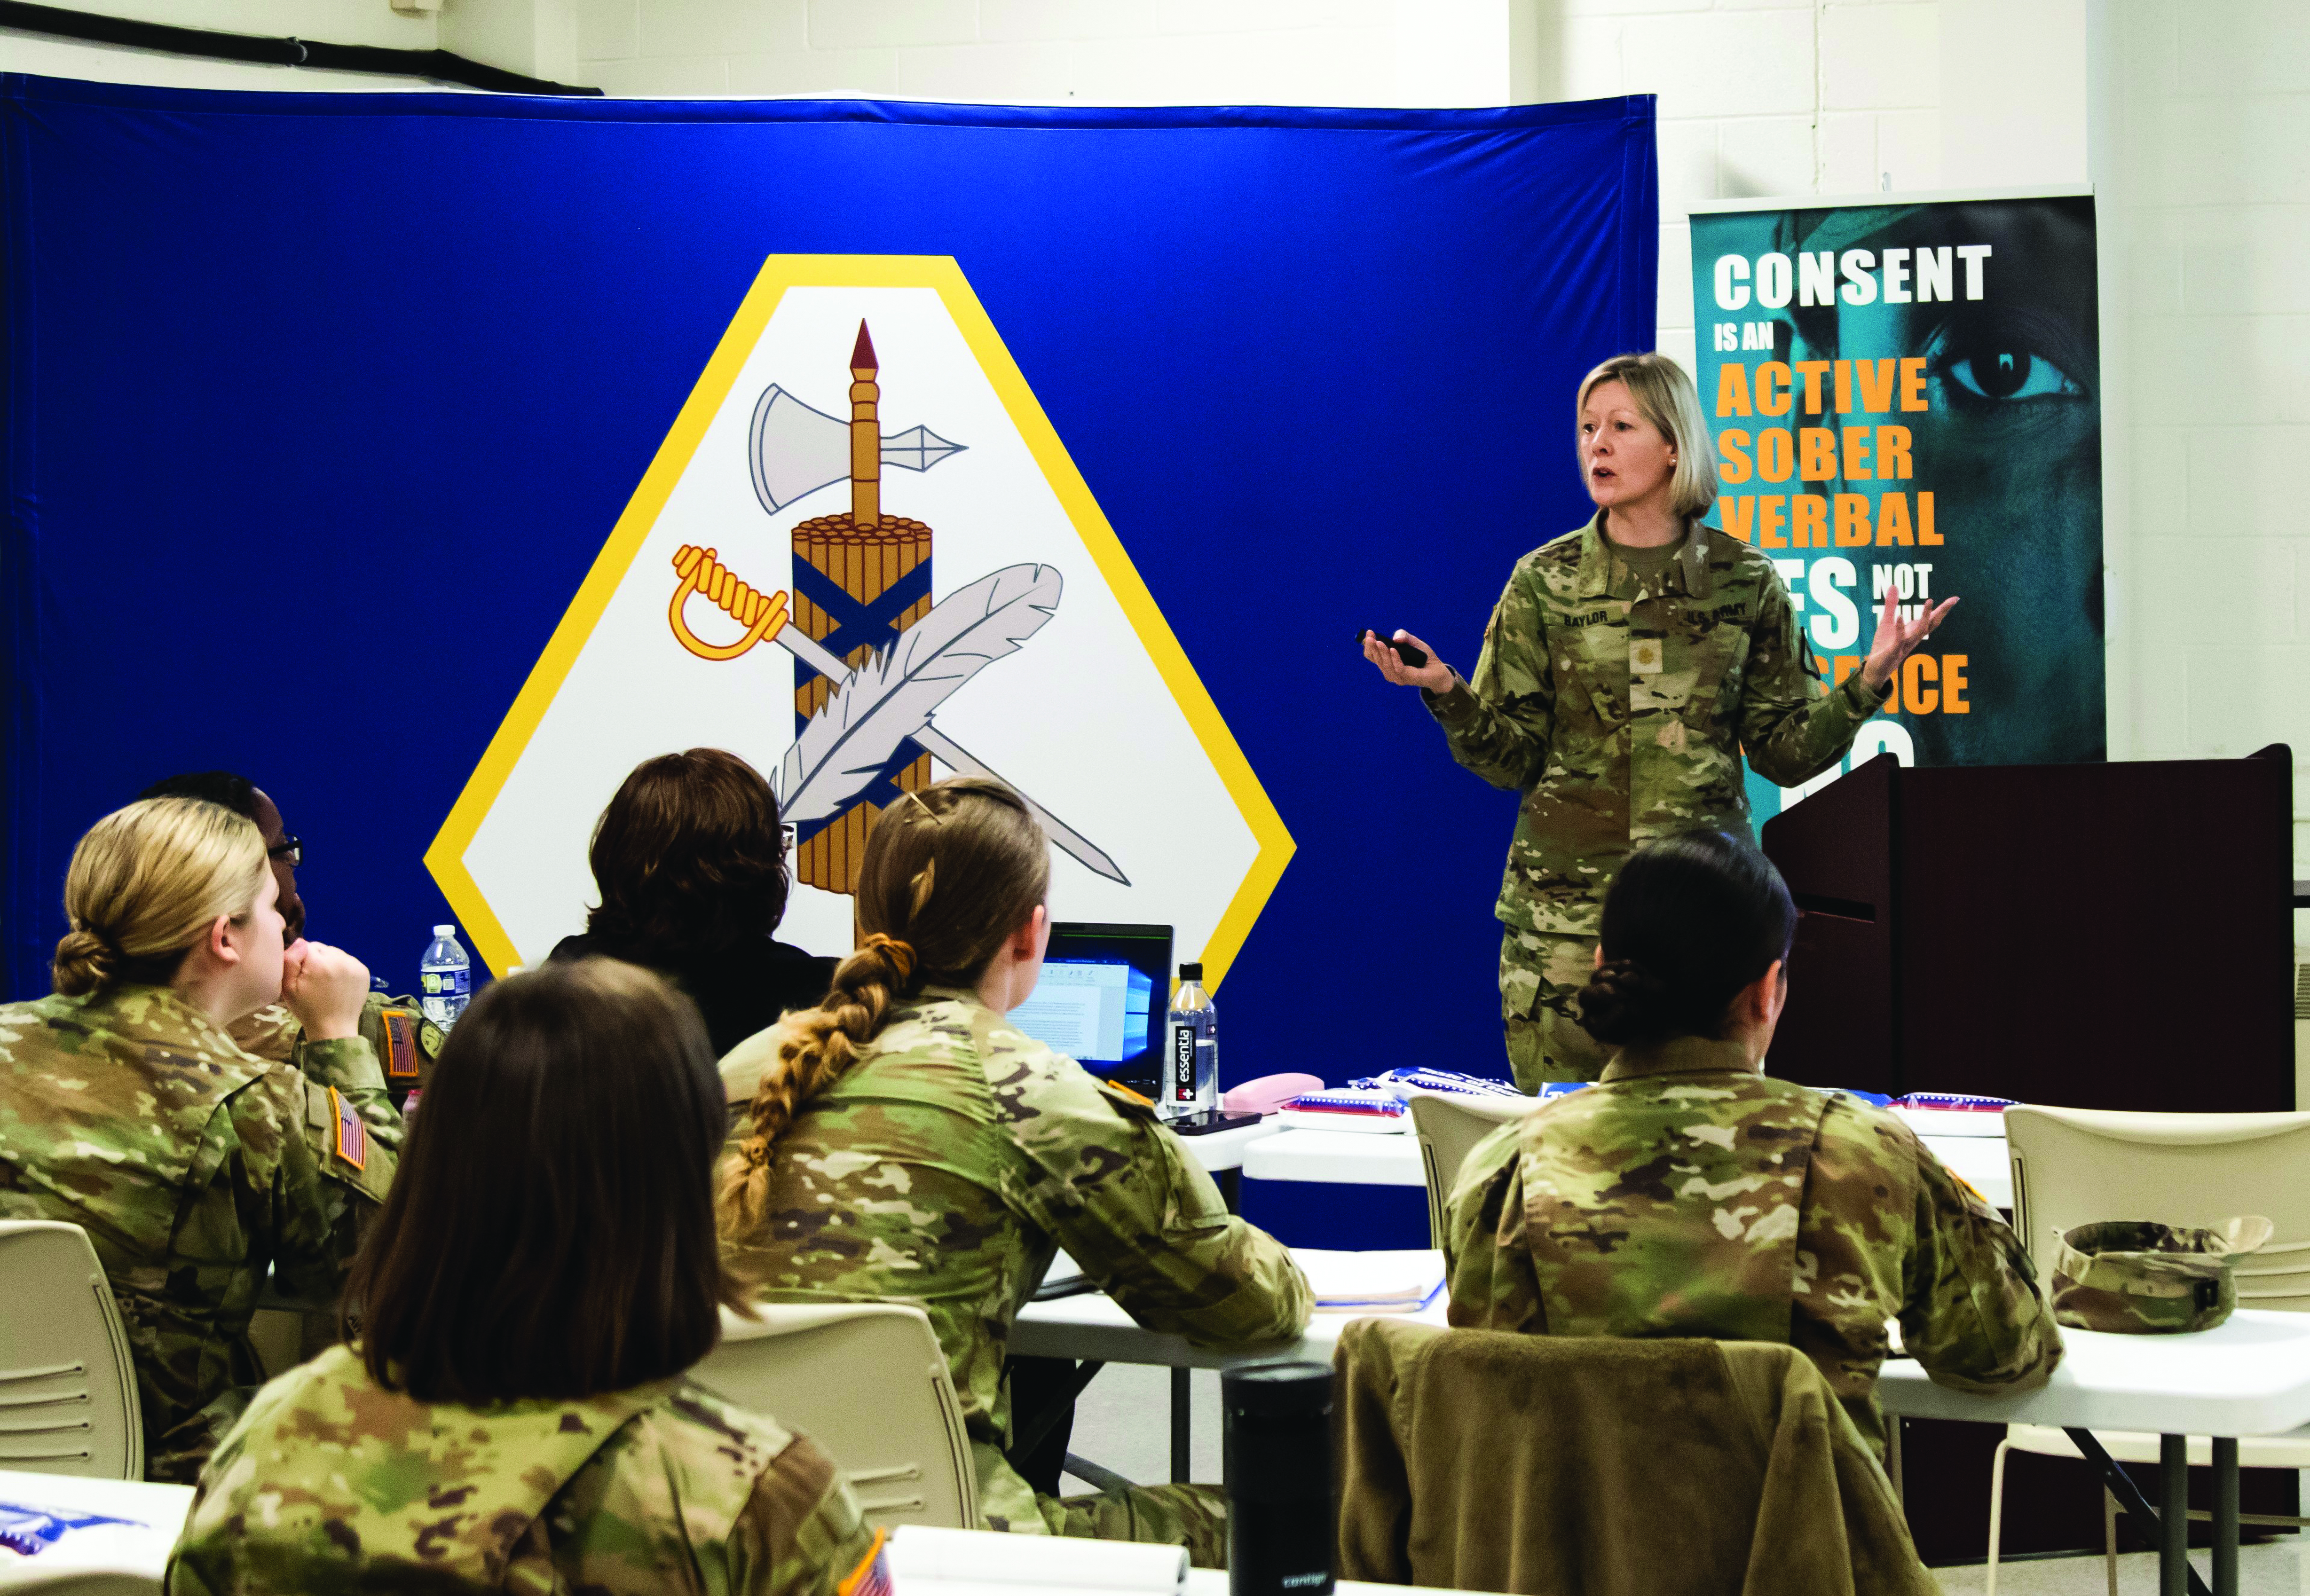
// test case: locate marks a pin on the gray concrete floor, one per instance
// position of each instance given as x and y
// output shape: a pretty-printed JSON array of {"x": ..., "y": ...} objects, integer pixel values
[
  {"x": 1124, "y": 1423},
  {"x": 2281, "y": 1568}
]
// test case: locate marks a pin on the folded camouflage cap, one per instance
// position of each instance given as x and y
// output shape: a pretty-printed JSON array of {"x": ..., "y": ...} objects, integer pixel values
[{"x": 2141, "y": 1278}]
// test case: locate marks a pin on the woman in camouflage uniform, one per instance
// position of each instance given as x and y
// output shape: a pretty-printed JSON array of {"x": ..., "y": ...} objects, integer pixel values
[
  {"x": 1626, "y": 669},
  {"x": 1687, "y": 1194},
  {"x": 904, "y": 1142},
  {"x": 513, "y": 1414},
  {"x": 126, "y": 1109}
]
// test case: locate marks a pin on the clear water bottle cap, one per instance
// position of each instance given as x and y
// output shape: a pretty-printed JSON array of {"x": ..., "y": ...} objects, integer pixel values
[{"x": 445, "y": 931}]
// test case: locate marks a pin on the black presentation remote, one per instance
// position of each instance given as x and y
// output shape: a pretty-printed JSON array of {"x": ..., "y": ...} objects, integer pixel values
[{"x": 1414, "y": 658}]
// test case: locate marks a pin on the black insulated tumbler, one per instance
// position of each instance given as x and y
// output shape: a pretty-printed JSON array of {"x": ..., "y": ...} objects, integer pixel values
[{"x": 1282, "y": 1527}]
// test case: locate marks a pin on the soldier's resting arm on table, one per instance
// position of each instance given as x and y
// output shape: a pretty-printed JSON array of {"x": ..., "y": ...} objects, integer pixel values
[
  {"x": 1793, "y": 726},
  {"x": 1499, "y": 723},
  {"x": 1131, "y": 1206},
  {"x": 1490, "y": 1278},
  {"x": 1972, "y": 1314}
]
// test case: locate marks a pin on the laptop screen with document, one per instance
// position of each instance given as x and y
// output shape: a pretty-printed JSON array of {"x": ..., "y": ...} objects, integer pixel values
[{"x": 1102, "y": 998}]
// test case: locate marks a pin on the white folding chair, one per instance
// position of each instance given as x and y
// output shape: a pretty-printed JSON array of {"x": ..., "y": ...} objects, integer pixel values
[
  {"x": 2073, "y": 1167},
  {"x": 867, "y": 1382},
  {"x": 1449, "y": 1129},
  {"x": 68, "y": 1385}
]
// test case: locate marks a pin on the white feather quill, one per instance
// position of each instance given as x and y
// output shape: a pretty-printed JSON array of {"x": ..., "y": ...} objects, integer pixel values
[{"x": 893, "y": 694}]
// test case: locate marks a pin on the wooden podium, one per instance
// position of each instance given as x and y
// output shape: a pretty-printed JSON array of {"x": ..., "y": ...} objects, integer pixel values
[{"x": 2096, "y": 936}]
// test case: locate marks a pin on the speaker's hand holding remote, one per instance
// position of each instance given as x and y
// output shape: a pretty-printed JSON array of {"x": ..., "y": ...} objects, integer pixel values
[{"x": 1395, "y": 655}]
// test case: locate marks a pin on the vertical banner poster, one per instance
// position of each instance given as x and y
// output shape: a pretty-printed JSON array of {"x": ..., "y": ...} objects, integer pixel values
[{"x": 1905, "y": 398}]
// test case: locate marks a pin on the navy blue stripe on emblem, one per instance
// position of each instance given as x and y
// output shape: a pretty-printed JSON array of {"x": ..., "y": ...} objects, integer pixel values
[{"x": 869, "y": 624}]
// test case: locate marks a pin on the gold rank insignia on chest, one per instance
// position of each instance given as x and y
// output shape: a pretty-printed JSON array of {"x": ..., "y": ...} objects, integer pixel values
[{"x": 1646, "y": 655}]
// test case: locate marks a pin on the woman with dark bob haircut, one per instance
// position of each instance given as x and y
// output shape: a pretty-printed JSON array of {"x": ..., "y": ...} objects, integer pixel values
[
  {"x": 692, "y": 872},
  {"x": 511, "y": 1411},
  {"x": 1686, "y": 1193}
]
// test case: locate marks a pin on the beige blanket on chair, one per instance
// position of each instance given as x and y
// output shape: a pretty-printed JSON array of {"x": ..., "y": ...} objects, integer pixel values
[{"x": 1580, "y": 1467}]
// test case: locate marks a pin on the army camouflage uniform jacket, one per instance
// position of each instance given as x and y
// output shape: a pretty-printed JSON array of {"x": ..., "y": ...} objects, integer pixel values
[
  {"x": 949, "y": 1164},
  {"x": 1686, "y": 1195},
  {"x": 333, "y": 1483},
  {"x": 1621, "y": 708},
  {"x": 194, "y": 1166}
]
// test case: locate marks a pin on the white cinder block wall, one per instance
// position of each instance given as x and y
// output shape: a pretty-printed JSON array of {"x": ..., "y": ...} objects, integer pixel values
[
  {"x": 1086, "y": 52},
  {"x": 1756, "y": 97},
  {"x": 1762, "y": 98},
  {"x": 338, "y": 21},
  {"x": 2204, "y": 185}
]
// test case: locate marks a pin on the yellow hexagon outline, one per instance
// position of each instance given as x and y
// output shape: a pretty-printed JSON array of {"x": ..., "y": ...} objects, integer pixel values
[{"x": 445, "y": 855}]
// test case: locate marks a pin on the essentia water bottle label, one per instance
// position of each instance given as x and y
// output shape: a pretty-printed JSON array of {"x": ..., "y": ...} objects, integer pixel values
[{"x": 1183, "y": 1064}]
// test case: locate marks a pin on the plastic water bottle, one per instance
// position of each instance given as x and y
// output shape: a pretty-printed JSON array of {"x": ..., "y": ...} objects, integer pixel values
[
  {"x": 1191, "y": 1065},
  {"x": 445, "y": 979}
]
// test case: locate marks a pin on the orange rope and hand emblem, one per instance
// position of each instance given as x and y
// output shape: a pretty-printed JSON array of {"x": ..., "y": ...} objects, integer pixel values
[{"x": 762, "y": 614}]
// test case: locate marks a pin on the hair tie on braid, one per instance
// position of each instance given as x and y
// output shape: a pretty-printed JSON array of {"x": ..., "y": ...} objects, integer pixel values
[{"x": 899, "y": 955}]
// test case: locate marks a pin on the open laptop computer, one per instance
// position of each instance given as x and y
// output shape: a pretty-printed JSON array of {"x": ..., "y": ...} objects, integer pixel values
[{"x": 1102, "y": 999}]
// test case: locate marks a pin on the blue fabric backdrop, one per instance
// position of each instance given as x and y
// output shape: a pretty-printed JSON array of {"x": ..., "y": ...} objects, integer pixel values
[{"x": 293, "y": 381}]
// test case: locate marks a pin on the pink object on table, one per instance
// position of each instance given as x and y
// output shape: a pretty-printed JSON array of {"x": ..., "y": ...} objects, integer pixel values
[{"x": 1267, "y": 1093}]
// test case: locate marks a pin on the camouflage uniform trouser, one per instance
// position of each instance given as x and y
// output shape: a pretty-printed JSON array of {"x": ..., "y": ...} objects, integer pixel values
[
  {"x": 1539, "y": 974},
  {"x": 1191, "y": 1515}
]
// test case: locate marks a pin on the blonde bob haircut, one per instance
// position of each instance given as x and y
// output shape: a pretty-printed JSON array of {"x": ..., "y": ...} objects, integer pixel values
[
  {"x": 1664, "y": 396},
  {"x": 145, "y": 885}
]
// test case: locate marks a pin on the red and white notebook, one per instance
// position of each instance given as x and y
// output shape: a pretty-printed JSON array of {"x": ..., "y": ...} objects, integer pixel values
[{"x": 1347, "y": 1109}]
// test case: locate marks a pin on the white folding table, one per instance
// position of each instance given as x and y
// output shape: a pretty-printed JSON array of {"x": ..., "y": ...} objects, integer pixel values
[
  {"x": 1971, "y": 1144},
  {"x": 137, "y": 1549},
  {"x": 2250, "y": 1376}
]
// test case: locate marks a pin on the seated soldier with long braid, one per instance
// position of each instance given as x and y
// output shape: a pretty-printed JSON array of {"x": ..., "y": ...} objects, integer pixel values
[{"x": 906, "y": 1142}]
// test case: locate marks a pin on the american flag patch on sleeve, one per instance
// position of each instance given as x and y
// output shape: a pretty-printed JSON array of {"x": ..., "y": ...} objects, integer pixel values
[
  {"x": 400, "y": 1026},
  {"x": 872, "y": 1578},
  {"x": 350, "y": 1135}
]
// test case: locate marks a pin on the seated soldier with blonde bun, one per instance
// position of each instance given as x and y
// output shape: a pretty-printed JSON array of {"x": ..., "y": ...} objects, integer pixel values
[
  {"x": 126, "y": 1109},
  {"x": 1686, "y": 1193},
  {"x": 906, "y": 1142}
]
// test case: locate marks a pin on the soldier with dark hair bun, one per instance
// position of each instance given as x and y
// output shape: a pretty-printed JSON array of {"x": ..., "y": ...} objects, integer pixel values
[{"x": 1686, "y": 1193}]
